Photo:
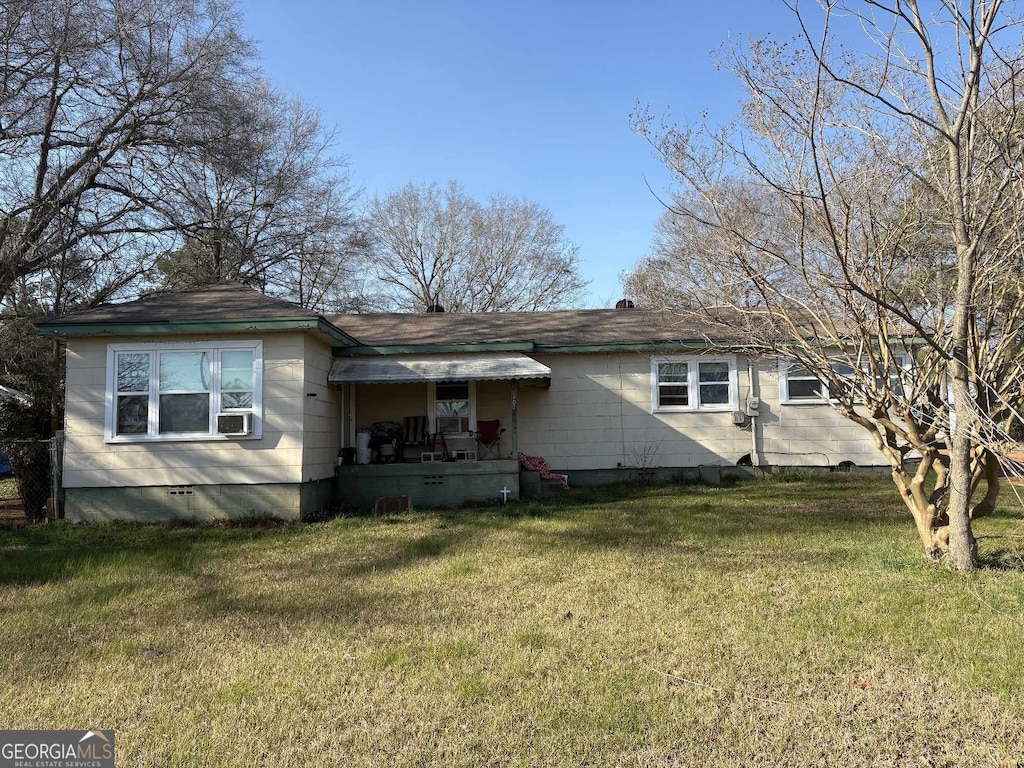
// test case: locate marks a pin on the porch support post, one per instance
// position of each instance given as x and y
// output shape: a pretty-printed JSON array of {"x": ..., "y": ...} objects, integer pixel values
[
  {"x": 515, "y": 419},
  {"x": 351, "y": 416}
]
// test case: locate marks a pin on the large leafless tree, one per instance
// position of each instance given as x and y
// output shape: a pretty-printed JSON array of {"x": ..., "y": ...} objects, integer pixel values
[
  {"x": 433, "y": 245},
  {"x": 94, "y": 95},
  {"x": 864, "y": 213},
  {"x": 260, "y": 197}
]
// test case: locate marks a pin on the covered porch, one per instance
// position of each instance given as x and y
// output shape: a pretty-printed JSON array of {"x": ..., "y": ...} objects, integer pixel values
[{"x": 422, "y": 415}]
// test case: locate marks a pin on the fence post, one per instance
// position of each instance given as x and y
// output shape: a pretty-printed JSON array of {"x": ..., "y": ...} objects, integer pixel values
[{"x": 56, "y": 446}]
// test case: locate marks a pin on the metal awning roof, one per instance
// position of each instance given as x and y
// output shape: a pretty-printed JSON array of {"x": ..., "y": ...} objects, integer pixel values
[{"x": 460, "y": 367}]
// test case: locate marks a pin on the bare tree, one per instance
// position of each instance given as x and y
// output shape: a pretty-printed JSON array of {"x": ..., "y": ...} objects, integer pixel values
[
  {"x": 870, "y": 202},
  {"x": 683, "y": 270},
  {"x": 93, "y": 94},
  {"x": 438, "y": 246},
  {"x": 261, "y": 199}
]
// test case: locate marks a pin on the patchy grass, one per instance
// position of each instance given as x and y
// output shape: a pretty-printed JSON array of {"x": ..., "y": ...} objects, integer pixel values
[
  {"x": 8, "y": 488},
  {"x": 782, "y": 624}
]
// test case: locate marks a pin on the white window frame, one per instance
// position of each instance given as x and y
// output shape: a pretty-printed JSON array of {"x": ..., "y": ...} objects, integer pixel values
[
  {"x": 693, "y": 384},
  {"x": 432, "y": 407},
  {"x": 153, "y": 349},
  {"x": 785, "y": 399},
  {"x": 903, "y": 360}
]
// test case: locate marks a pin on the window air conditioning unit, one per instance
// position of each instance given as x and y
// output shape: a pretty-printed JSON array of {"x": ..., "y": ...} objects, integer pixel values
[
  {"x": 234, "y": 424},
  {"x": 449, "y": 424}
]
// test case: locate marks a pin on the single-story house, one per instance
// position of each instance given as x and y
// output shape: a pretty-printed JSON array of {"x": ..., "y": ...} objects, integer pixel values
[{"x": 224, "y": 402}]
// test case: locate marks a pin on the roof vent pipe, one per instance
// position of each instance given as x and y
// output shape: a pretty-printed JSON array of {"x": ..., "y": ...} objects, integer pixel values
[
  {"x": 435, "y": 308},
  {"x": 625, "y": 304}
]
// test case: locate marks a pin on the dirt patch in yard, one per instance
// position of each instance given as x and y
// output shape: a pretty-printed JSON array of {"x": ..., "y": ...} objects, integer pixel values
[{"x": 12, "y": 513}]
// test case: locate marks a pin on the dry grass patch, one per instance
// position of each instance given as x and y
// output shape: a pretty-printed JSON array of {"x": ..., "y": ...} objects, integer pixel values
[{"x": 767, "y": 624}]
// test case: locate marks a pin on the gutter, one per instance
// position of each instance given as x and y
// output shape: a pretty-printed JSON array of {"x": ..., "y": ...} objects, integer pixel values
[
  {"x": 425, "y": 349},
  {"x": 163, "y": 327}
]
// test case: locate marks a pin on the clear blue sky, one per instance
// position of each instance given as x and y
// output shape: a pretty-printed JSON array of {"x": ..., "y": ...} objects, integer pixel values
[{"x": 530, "y": 99}]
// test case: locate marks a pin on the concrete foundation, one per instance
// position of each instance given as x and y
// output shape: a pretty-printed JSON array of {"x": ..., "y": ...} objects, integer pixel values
[
  {"x": 282, "y": 501},
  {"x": 356, "y": 488},
  {"x": 428, "y": 484}
]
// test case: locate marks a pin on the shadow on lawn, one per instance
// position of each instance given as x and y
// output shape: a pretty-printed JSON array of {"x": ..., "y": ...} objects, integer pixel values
[
  {"x": 110, "y": 580},
  {"x": 825, "y": 522},
  {"x": 54, "y": 552},
  {"x": 618, "y": 515},
  {"x": 1002, "y": 553},
  {"x": 205, "y": 556}
]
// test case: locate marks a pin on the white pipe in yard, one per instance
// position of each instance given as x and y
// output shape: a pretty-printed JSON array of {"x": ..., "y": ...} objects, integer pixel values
[{"x": 754, "y": 458}]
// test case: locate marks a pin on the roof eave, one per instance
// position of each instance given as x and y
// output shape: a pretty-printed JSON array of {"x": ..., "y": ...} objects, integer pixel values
[
  {"x": 315, "y": 324},
  {"x": 526, "y": 346},
  {"x": 412, "y": 349},
  {"x": 637, "y": 346}
]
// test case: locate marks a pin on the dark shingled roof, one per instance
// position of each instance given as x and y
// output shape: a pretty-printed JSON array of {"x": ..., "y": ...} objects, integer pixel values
[
  {"x": 236, "y": 303},
  {"x": 563, "y": 328},
  {"x": 221, "y": 301}
]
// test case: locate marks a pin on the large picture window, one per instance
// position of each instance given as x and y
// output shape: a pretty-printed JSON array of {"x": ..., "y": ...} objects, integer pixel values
[
  {"x": 175, "y": 391},
  {"x": 694, "y": 384}
]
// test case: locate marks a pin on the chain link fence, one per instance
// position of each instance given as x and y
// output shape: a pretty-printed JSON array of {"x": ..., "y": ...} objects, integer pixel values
[{"x": 30, "y": 479}]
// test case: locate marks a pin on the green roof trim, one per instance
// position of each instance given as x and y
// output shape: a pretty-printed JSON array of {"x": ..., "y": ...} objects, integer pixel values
[
  {"x": 196, "y": 326},
  {"x": 412, "y": 349},
  {"x": 529, "y": 347},
  {"x": 644, "y": 346},
  {"x": 330, "y": 329}
]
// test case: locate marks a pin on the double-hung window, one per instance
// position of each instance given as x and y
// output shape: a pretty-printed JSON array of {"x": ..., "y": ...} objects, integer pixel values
[
  {"x": 453, "y": 407},
  {"x": 694, "y": 384},
  {"x": 175, "y": 391},
  {"x": 799, "y": 386}
]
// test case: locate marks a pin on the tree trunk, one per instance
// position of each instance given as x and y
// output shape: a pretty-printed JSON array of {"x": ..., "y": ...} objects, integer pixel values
[{"x": 963, "y": 549}]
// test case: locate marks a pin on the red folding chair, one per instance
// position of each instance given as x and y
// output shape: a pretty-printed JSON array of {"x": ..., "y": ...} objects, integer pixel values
[{"x": 488, "y": 437}]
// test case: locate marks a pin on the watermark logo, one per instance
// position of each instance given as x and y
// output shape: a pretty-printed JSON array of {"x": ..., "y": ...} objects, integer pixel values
[{"x": 56, "y": 749}]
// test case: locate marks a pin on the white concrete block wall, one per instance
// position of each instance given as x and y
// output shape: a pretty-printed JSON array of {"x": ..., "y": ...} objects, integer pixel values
[
  {"x": 808, "y": 434},
  {"x": 321, "y": 403},
  {"x": 389, "y": 402},
  {"x": 598, "y": 415},
  {"x": 494, "y": 401},
  {"x": 275, "y": 458}
]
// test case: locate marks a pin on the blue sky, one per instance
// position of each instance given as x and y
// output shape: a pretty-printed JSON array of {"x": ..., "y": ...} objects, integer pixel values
[{"x": 530, "y": 99}]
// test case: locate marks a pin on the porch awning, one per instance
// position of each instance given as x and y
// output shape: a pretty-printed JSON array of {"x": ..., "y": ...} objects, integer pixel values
[{"x": 460, "y": 367}]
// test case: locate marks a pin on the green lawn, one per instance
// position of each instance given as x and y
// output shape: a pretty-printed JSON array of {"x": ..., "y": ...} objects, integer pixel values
[{"x": 768, "y": 624}]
